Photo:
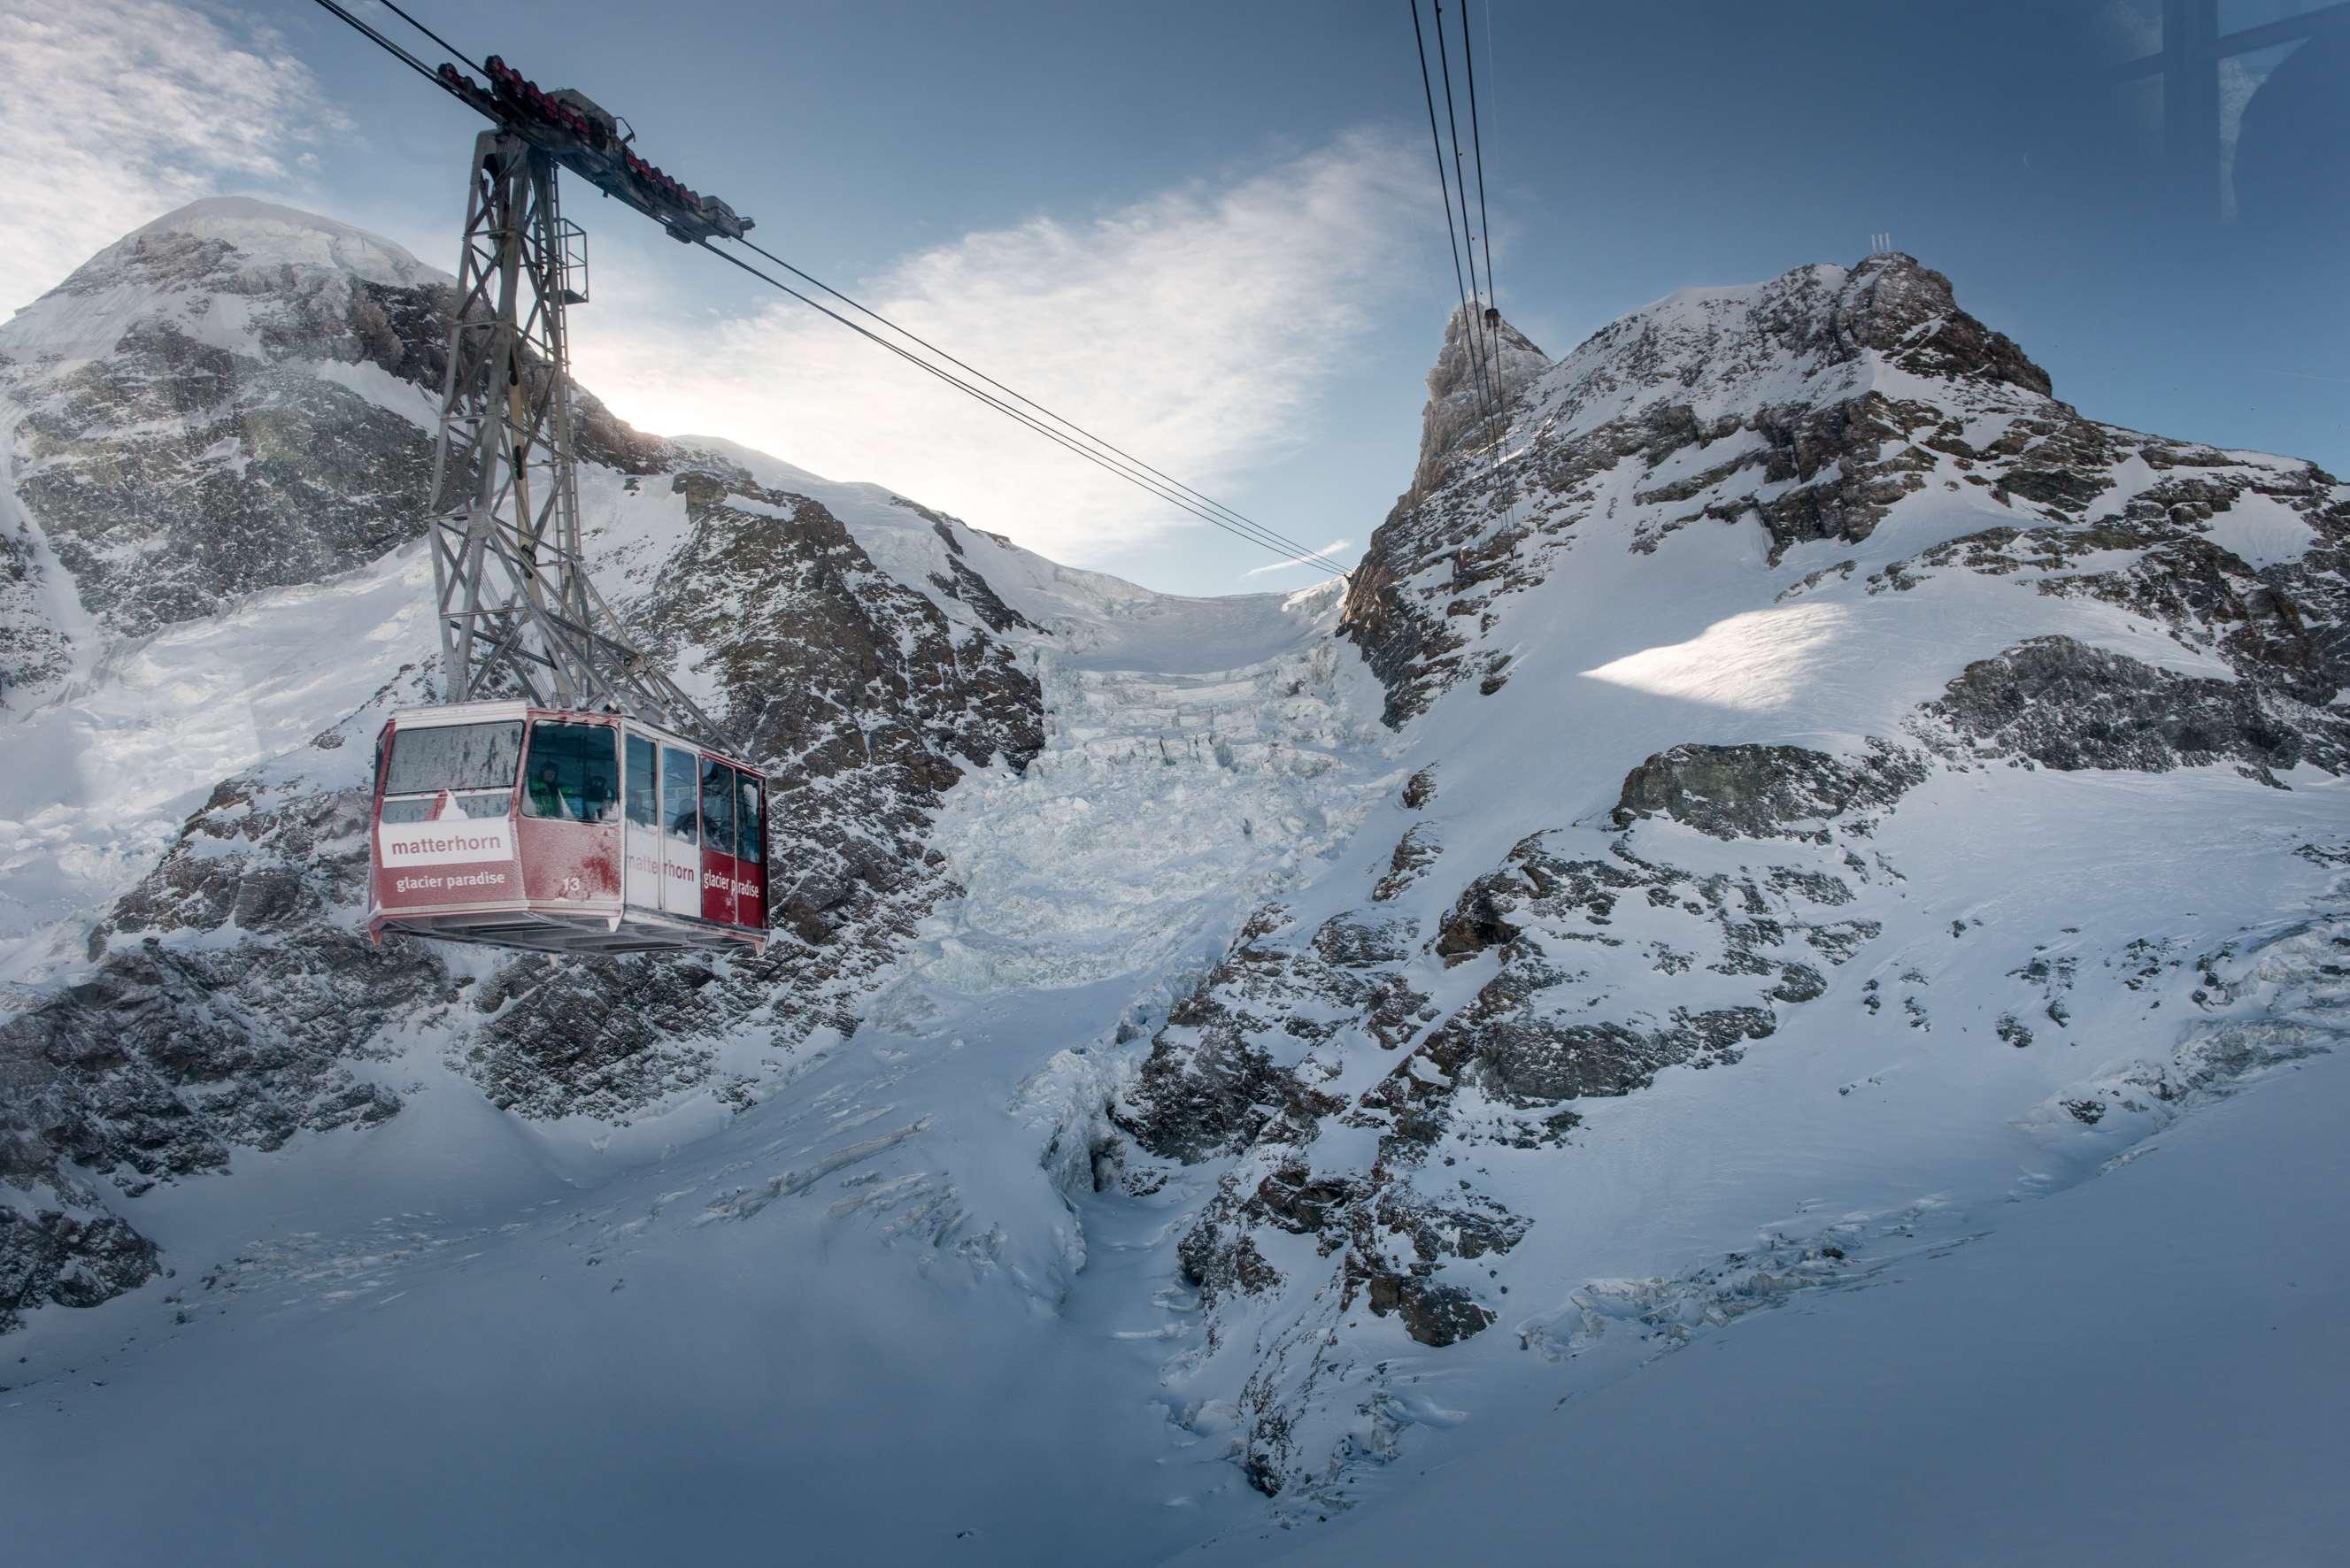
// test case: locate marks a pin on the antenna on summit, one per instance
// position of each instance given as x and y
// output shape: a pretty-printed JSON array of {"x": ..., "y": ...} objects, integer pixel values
[{"x": 1879, "y": 244}]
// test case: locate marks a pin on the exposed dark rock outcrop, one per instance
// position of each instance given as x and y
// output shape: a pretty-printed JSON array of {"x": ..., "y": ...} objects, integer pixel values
[
  {"x": 1210, "y": 1084},
  {"x": 50, "y": 1257},
  {"x": 167, "y": 1056},
  {"x": 2061, "y": 704},
  {"x": 1750, "y": 791},
  {"x": 1435, "y": 1314},
  {"x": 1478, "y": 373},
  {"x": 1244, "y": 1070},
  {"x": 32, "y": 650}
]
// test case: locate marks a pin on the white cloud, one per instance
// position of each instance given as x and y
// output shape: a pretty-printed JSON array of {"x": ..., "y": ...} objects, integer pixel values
[
  {"x": 114, "y": 111},
  {"x": 1197, "y": 330},
  {"x": 1326, "y": 552}
]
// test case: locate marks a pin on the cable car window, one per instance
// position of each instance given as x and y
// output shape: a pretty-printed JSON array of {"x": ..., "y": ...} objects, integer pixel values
[
  {"x": 434, "y": 757},
  {"x": 643, "y": 809},
  {"x": 574, "y": 773},
  {"x": 717, "y": 806},
  {"x": 748, "y": 822},
  {"x": 425, "y": 807},
  {"x": 680, "y": 814}
]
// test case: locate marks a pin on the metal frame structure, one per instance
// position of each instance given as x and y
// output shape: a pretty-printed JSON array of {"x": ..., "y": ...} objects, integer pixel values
[
  {"x": 517, "y": 611},
  {"x": 525, "y": 638},
  {"x": 2188, "y": 67}
]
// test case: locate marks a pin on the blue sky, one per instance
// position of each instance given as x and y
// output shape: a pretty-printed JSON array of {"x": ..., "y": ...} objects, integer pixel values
[{"x": 1211, "y": 231}]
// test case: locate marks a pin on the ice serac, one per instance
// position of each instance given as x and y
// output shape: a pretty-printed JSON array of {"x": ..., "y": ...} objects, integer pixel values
[{"x": 1752, "y": 672}]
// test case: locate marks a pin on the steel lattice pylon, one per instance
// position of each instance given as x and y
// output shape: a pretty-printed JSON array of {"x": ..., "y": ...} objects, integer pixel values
[{"x": 518, "y": 615}]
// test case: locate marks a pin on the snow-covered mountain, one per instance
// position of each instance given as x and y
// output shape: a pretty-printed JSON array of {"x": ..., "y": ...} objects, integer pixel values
[
  {"x": 1843, "y": 778},
  {"x": 1779, "y": 791}
]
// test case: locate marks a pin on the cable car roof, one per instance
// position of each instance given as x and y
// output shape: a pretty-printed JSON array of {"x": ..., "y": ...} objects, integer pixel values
[{"x": 517, "y": 712}]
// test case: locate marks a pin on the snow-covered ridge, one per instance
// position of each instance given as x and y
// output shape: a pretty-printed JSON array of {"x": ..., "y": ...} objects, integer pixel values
[
  {"x": 1815, "y": 335},
  {"x": 1101, "y": 620},
  {"x": 206, "y": 268},
  {"x": 1801, "y": 706},
  {"x": 237, "y": 598},
  {"x": 266, "y": 235}
]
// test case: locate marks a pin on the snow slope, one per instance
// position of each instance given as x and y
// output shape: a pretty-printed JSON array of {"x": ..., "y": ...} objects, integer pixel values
[
  {"x": 904, "y": 1168},
  {"x": 2144, "y": 1368}
]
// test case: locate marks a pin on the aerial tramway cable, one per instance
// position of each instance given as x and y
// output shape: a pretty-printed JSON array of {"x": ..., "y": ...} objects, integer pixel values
[
  {"x": 1302, "y": 554},
  {"x": 411, "y": 61},
  {"x": 1444, "y": 189},
  {"x": 1171, "y": 497},
  {"x": 1493, "y": 293},
  {"x": 1483, "y": 328},
  {"x": 1484, "y": 223},
  {"x": 1083, "y": 442},
  {"x": 456, "y": 53},
  {"x": 1468, "y": 235}
]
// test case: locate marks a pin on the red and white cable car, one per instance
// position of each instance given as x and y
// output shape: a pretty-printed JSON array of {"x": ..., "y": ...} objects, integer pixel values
[{"x": 564, "y": 832}]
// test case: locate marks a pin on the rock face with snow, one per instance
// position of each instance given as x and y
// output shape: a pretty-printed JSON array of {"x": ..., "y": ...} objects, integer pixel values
[
  {"x": 864, "y": 704},
  {"x": 173, "y": 436},
  {"x": 1478, "y": 374}
]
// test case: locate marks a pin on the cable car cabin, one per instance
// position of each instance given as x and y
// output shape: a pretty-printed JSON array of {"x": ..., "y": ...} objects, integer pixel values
[{"x": 584, "y": 832}]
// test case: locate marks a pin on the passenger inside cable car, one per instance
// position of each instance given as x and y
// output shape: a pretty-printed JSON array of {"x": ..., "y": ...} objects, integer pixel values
[{"x": 575, "y": 771}]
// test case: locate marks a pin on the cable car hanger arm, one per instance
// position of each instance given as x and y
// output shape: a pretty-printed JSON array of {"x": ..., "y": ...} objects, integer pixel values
[{"x": 573, "y": 129}]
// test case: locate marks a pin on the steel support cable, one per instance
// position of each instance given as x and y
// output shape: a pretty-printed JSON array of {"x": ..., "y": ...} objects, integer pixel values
[
  {"x": 1126, "y": 467},
  {"x": 411, "y": 61},
  {"x": 1460, "y": 183},
  {"x": 1477, "y": 141},
  {"x": 453, "y": 50},
  {"x": 1444, "y": 188},
  {"x": 1131, "y": 477},
  {"x": 1209, "y": 501},
  {"x": 1489, "y": 336},
  {"x": 1485, "y": 221},
  {"x": 1274, "y": 544}
]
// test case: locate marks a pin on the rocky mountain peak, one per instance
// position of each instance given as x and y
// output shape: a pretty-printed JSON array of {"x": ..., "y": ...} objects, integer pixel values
[
  {"x": 176, "y": 441},
  {"x": 1816, "y": 759},
  {"x": 1476, "y": 373},
  {"x": 1810, "y": 402},
  {"x": 239, "y": 234},
  {"x": 1895, "y": 304},
  {"x": 1696, "y": 670},
  {"x": 1812, "y": 335}
]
